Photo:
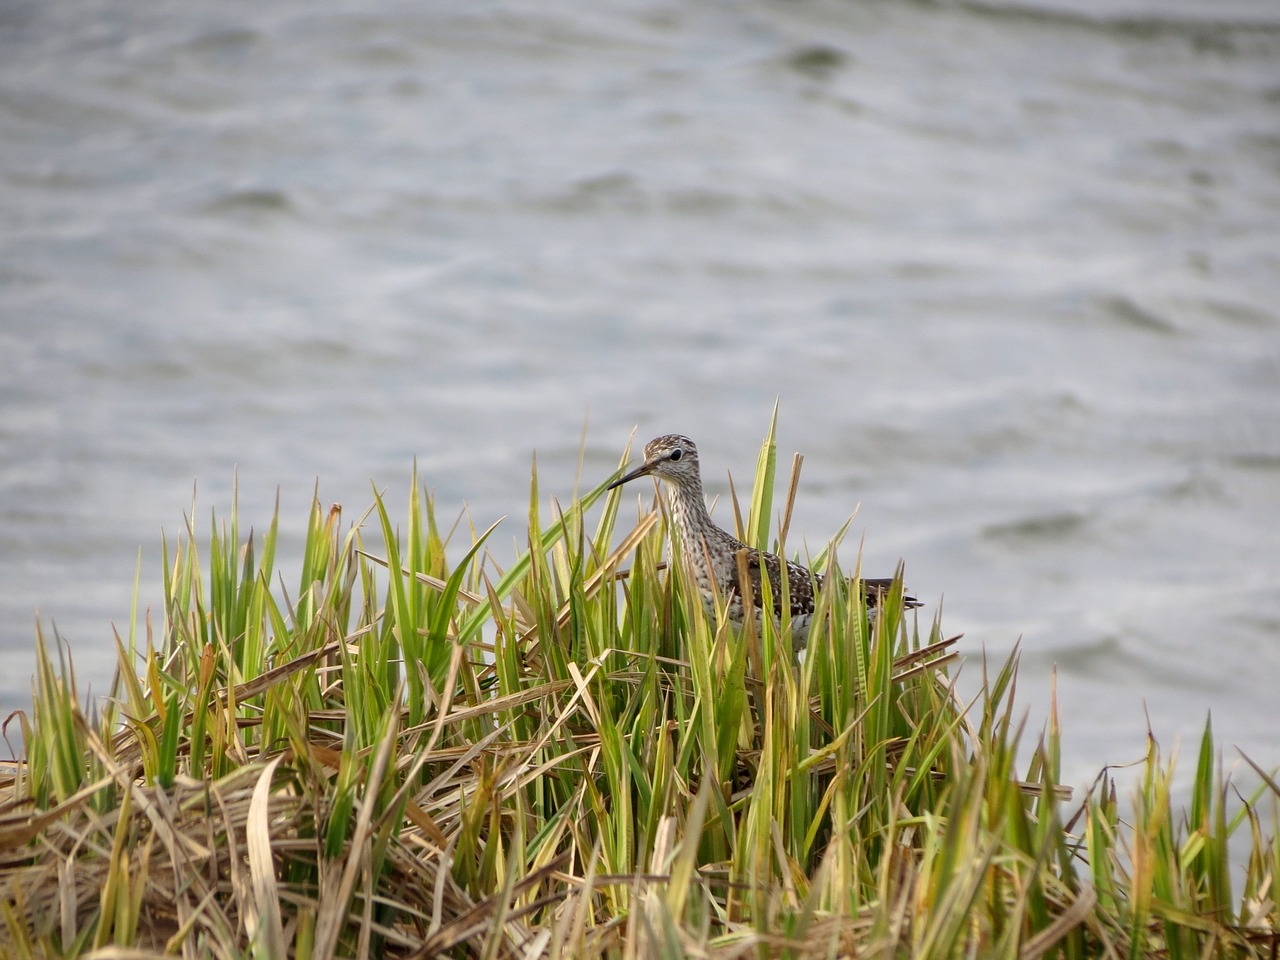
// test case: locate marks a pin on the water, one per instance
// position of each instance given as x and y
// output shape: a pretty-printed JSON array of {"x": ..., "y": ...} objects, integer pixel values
[{"x": 1011, "y": 269}]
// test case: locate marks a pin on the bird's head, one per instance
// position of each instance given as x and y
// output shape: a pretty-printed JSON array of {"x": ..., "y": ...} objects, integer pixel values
[{"x": 671, "y": 457}]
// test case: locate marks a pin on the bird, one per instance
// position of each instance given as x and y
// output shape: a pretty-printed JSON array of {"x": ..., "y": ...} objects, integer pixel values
[{"x": 713, "y": 554}]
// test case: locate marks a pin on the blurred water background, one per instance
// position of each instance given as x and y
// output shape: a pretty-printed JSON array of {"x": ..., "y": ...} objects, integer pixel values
[{"x": 1011, "y": 268}]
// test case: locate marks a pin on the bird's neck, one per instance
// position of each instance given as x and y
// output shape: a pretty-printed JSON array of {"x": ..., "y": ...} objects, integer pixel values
[{"x": 689, "y": 514}]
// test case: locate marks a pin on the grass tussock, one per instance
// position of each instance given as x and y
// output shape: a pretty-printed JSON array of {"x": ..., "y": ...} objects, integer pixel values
[{"x": 408, "y": 756}]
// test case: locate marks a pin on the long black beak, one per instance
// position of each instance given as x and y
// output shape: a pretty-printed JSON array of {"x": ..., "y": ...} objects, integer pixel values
[{"x": 643, "y": 470}]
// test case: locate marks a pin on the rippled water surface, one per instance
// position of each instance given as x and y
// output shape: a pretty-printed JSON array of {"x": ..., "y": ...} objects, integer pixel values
[{"x": 1011, "y": 269}]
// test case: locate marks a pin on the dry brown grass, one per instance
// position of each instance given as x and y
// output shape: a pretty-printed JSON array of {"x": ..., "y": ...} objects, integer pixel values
[{"x": 556, "y": 760}]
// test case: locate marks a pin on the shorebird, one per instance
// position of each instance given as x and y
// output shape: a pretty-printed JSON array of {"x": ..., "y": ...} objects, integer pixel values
[{"x": 712, "y": 553}]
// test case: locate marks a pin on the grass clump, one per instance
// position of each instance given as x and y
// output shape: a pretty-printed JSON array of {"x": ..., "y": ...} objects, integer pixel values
[{"x": 405, "y": 756}]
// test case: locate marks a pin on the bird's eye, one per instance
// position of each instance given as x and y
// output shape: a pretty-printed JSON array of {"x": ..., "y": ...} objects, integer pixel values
[{"x": 675, "y": 454}]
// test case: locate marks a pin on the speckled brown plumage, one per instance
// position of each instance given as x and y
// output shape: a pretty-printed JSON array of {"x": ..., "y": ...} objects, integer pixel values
[{"x": 712, "y": 553}]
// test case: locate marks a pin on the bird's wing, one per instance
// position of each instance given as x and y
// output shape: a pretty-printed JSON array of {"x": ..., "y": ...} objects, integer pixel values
[
  {"x": 876, "y": 587},
  {"x": 801, "y": 583}
]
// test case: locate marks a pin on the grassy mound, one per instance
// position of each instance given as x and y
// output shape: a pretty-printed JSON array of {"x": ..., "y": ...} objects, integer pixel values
[{"x": 413, "y": 758}]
